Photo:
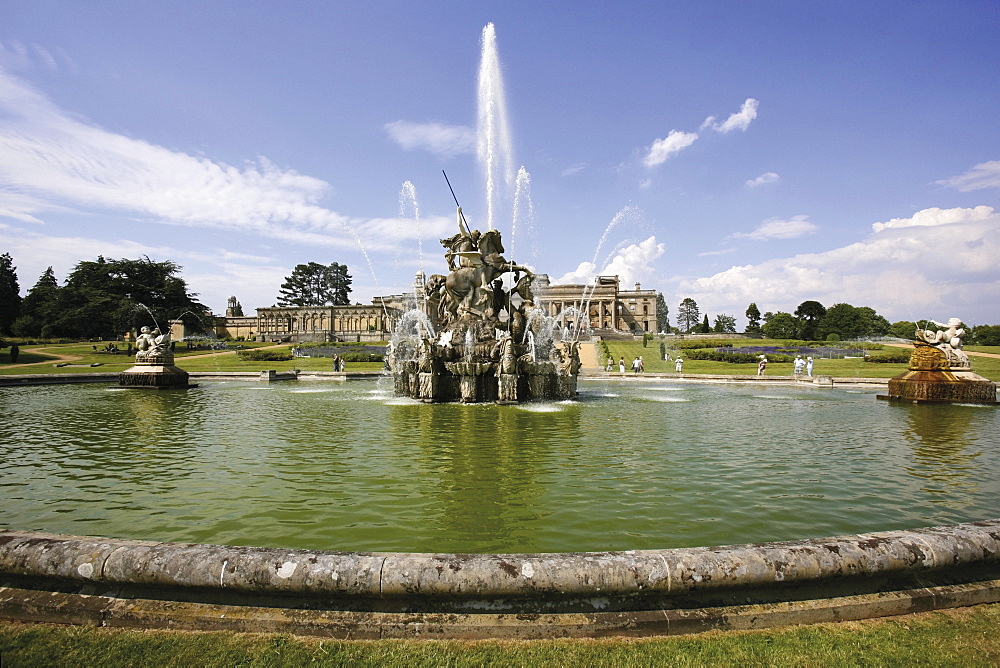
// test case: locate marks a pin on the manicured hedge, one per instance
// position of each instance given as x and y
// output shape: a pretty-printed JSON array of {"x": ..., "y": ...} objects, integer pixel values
[
  {"x": 733, "y": 358},
  {"x": 264, "y": 356},
  {"x": 890, "y": 356}
]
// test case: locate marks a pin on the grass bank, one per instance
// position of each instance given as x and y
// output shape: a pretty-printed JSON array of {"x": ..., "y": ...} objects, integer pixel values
[
  {"x": 987, "y": 367},
  {"x": 963, "y": 637},
  {"x": 44, "y": 358}
]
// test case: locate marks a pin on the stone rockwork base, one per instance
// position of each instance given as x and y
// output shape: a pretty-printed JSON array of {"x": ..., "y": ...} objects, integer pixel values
[
  {"x": 140, "y": 584},
  {"x": 941, "y": 386},
  {"x": 154, "y": 376}
]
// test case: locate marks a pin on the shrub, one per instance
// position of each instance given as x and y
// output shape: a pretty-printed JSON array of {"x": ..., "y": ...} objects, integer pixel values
[
  {"x": 362, "y": 357},
  {"x": 264, "y": 356},
  {"x": 733, "y": 358},
  {"x": 890, "y": 356},
  {"x": 833, "y": 337}
]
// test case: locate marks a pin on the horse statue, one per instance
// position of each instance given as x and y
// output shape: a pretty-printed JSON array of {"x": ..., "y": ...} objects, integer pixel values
[{"x": 468, "y": 286}]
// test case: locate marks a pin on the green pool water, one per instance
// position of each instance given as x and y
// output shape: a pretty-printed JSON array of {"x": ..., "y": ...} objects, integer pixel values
[{"x": 637, "y": 464}]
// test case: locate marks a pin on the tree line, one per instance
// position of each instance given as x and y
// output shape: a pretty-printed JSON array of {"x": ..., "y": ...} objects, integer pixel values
[
  {"x": 812, "y": 321},
  {"x": 104, "y": 298}
]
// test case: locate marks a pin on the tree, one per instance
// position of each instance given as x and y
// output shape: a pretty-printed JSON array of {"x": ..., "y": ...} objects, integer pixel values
[
  {"x": 780, "y": 325},
  {"x": 662, "y": 314},
  {"x": 810, "y": 313},
  {"x": 40, "y": 306},
  {"x": 872, "y": 324},
  {"x": 725, "y": 324},
  {"x": 687, "y": 314},
  {"x": 753, "y": 320},
  {"x": 315, "y": 284},
  {"x": 109, "y": 297},
  {"x": 10, "y": 294},
  {"x": 852, "y": 322},
  {"x": 705, "y": 327},
  {"x": 986, "y": 335},
  {"x": 903, "y": 329}
]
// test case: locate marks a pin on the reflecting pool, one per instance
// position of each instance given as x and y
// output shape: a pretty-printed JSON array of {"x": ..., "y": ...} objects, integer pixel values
[{"x": 635, "y": 464}]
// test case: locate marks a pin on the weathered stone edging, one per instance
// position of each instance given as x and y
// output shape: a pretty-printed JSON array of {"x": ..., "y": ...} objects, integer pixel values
[{"x": 581, "y": 593}]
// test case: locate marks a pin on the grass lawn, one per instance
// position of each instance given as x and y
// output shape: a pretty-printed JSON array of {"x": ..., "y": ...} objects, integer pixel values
[
  {"x": 962, "y": 637},
  {"x": 841, "y": 368},
  {"x": 213, "y": 360},
  {"x": 189, "y": 360}
]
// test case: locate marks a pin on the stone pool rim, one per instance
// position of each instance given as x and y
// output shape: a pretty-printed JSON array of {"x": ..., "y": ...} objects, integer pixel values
[{"x": 134, "y": 583}]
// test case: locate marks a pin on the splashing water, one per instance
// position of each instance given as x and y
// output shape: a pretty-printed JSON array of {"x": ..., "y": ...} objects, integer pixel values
[{"x": 493, "y": 142}]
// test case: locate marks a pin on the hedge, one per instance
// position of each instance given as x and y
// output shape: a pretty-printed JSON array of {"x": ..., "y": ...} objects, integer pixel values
[
  {"x": 890, "y": 356},
  {"x": 733, "y": 358},
  {"x": 264, "y": 356}
]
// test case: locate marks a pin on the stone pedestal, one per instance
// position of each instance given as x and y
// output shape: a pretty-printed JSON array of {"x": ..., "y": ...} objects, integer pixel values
[
  {"x": 931, "y": 380},
  {"x": 155, "y": 372}
]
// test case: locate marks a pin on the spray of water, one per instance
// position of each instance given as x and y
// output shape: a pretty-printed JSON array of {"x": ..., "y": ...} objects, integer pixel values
[
  {"x": 409, "y": 209},
  {"x": 524, "y": 210},
  {"x": 629, "y": 214},
  {"x": 371, "y": 267},
  {"x": 493, "y": 143}
]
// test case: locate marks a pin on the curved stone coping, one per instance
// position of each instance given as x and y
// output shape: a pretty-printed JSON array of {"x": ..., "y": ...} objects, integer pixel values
[{"x": 267, "y": 571}]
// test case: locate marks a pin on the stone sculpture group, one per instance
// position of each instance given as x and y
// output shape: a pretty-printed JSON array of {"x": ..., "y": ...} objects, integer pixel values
[
  {"x": 476, "y": 341},
  {"x": 940, "y": 371}
]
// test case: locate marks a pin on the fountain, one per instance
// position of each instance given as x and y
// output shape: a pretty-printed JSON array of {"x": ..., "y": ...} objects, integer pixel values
[
  {"x": 940, "y": 371},
  {"x": 488, "y": 344},
  {"x": 154, "y": 364},
  {"x": 495, "y": 540}
]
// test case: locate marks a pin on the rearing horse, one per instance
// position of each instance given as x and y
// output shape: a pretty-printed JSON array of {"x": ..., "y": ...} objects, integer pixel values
[{"x": 468, "y": 286}]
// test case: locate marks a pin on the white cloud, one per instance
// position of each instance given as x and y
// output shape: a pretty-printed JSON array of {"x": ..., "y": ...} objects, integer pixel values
[
  {"x": 934, "y": 216},
  {"x": 738, "y": 121},
  {"x": 774, "y": 228},
  {"x": 983, "y": 175},
  {"x": 631, "y": 264},
  {"x": 766, "y": 177},
  {"x": 443, "y": 140},
  {"x": 663, "y": 148},
  {"x": 903, "y": 271},
  {"x": 573, "y": 169}
]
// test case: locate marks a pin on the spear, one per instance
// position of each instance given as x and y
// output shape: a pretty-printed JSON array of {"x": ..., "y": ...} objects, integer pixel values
[{"x": 466, "y": 230}]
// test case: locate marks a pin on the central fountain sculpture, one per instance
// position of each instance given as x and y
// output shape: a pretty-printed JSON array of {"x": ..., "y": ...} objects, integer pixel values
[{"x": 472, "y": 340}]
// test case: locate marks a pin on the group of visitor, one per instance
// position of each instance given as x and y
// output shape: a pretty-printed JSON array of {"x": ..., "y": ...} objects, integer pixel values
[
  {"x": 339, "y": 364},
  {"x": 803, "y": 364}
]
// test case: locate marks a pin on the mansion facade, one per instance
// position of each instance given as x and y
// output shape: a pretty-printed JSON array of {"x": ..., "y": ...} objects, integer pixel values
[{"x": 611, "y": 311}]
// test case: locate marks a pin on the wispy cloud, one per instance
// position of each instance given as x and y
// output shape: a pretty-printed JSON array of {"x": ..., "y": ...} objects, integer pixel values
[
  {"x": 16, "y": 56},
  {"x": 775, "y": 228},
  {"x": 53, "y": 161},
  {"x": 738, "y": 121},
  {"x": 766, "y": 177},
  {"x": 662, "y": 149},
  {"x": 723, "y": 251},
  {"x": 983, "y": 175},
  {"x": 573, "y": 169},
  {"x": 445, "y": 141},
  {"x": 900, "y": 270}
]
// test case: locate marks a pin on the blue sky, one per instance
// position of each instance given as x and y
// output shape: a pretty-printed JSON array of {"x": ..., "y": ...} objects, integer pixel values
[{"x": 772, "y": 152}]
